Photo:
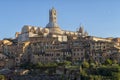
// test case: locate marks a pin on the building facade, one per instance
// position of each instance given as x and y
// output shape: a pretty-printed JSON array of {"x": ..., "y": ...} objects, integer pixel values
[{"x": 52, "y": 44}]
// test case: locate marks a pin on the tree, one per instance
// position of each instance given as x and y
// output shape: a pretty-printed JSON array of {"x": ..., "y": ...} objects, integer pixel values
[
  {"x": 39, "y": 65},
  {"x": 85, "y": 64},
  {"x": 116, "y": 76},
  {"x": 108, "y": 62},
  {"x": 50, "y": 65},
  {"x": 67, "y": 63},
  {"x": 92, "y": 65},
  {"x": 115, "y": 61}
]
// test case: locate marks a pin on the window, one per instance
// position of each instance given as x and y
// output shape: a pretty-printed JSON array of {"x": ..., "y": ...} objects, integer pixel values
[
  {"x": 104, "y": 47},
  {"x": 74, "y": 54},
  {"x": 74, "y": 49},
  {"x": 57, "y": 54},
  {"x": 51, "y": 54},
  {"x": 81, "y": 54},
  {"x": 81, "y": 49}
]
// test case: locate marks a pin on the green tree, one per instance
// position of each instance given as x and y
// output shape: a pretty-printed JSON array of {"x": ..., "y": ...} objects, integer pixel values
[
  {"x": 39, "y": 65},
  {"x": 50, "y": 64},
  {"x": 108, "y": 62},
  {"x": 92, "y": 65},
  {"x": 116, "y": 76},
  {"x": 115, "y": 61},
  {"x": 67, "y": 63},
  {"x": 85, "y": 64}
]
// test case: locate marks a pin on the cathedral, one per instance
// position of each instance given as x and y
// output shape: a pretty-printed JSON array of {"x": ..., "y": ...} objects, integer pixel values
[{"x": 52, "y": 29}]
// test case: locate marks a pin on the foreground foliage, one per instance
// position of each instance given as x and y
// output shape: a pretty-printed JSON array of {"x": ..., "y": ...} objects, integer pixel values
[
  {"x": 101, "y": 72},
  {"x": 87, "y": 70}
]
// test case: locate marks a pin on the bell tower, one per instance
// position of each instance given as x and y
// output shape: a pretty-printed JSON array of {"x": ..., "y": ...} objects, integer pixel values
[
  {"x": 52, "y": 19},
  {"x": 52, "y": 15}
]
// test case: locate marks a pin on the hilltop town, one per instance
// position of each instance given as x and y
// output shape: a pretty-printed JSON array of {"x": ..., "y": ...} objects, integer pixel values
[{"x": 51, "y": 45}]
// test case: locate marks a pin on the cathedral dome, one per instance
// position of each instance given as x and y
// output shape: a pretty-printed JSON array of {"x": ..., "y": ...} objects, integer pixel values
[
  {"x": 51, "y": 24},
  {"x": 54, "y": 28}
]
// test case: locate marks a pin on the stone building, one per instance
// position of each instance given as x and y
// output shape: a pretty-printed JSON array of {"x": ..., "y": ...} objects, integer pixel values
[{"x": 51, "y": 43}]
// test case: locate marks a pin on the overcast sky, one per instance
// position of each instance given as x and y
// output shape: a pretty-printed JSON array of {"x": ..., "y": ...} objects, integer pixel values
[{"x": 100, "y": 17}]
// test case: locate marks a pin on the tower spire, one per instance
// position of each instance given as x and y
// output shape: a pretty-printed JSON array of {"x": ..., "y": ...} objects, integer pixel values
[
  {"x": 52, "y": 15},
  {"x": 52, "y": 18}
]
